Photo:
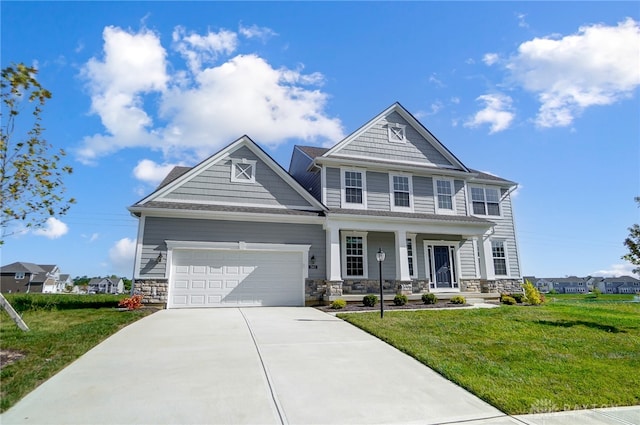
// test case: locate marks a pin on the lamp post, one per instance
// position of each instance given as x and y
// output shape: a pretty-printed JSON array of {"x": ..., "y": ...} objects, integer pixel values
[{"x": 380, "y": 257}]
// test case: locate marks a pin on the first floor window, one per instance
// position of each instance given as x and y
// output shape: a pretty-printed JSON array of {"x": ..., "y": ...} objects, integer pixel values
[
  {"x": 354, "y": 248},
  {"x": 444, "y": 192},
  {"x": 499, "y": 258},
  {"x": 410, "y": 257}
]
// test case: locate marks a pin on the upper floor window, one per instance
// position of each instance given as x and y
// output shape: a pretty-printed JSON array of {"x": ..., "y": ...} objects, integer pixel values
[
  {"x": 444, "y": 195},
  {"x": 485, "y": 200},
  {"x": 19, "y": 275},
  {"x": 354, "y": 189},
  {"x": 396, "y": 133},
  {"x": 243, "y": 171},
  {"x": 401, "y": 188},
  {"x": 499, "y": 258}
]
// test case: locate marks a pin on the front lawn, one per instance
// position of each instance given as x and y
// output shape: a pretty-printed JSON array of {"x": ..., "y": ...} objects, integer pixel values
[
  {"x": 56, "y": 338},
  {"x": 567, "y": 354}
]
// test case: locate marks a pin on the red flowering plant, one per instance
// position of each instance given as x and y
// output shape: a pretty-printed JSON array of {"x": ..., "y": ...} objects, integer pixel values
[{"x": 132, "y": 303}]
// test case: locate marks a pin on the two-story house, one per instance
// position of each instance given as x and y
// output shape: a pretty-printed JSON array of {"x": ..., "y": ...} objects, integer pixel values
[
  {"x": 238, "y": 229},
  {"x": 29, "y": 277},
  {"x": 105, "y": 285},
  {"x": 619, "y": 285}
]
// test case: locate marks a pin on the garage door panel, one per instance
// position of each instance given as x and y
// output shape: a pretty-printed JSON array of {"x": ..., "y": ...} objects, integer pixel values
[{"x": 224, "y": 279}]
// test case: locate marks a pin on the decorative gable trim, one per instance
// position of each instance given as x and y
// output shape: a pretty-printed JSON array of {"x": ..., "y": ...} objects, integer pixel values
[
  {"x": 244, "y": 141},
  {"x": 426, "y": 134}
]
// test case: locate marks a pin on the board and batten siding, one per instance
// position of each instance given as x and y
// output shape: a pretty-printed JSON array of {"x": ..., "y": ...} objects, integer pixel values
[
  {"x": 374, "y": 143},
  {"x": 298, "y": 169},
  {"x": 333, "y": 179},
  {"x": 159, "y": 229},
  {"x": 378, "y": 191},
  {"x": 215, "y": 185}
]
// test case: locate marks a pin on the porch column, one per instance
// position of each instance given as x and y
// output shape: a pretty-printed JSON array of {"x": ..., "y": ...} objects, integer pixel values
[
  {"x": 333, "y": 254},
  {"x": 402, "y": 257},
  {"x": 485, "y": 257}
]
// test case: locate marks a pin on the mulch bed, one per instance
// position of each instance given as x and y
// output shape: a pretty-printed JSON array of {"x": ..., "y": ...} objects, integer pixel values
[{"x": 390, "y": 307}]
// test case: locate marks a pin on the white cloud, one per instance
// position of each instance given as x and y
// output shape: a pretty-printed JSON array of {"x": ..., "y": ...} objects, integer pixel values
[
  {"x": 218, "y": 100},
  {"x": 150, "y": 172},
  {"x": 92, "y": 238},
  {"x": 616, "y": 270},
  {"x": 497, "y": 112},
  {"x": 121, "y": 256},
  {"x": 596, "y": 66},
  {"x": 521, "y": 20},
  {"x": 436, "y": 81},
  {"x": 490, "y": 58},
  {"x": 53, "y": 229},
  {"x": 255, "y": 31}
]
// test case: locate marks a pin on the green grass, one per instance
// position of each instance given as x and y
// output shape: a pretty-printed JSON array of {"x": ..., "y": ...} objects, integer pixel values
[
  {"x": 574, "y": 352},
  {"x": 56, "y": 338}
]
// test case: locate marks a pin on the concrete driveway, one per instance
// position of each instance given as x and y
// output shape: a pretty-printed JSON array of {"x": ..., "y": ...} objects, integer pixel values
[{"x": 248, "y": 366}]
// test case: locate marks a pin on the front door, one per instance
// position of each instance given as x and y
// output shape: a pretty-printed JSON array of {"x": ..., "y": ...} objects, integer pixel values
[{"x": 441, "y": 266}]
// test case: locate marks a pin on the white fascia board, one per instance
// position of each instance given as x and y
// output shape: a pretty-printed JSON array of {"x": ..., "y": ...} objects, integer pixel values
[
  {"x": 236, "y": 204},
  {"x": 414, "y": 168},
  {"x": 390, "y": 224},
  {"x": 228, "y": 215}
]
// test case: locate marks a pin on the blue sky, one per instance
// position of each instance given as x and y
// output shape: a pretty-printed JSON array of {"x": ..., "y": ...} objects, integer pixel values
[{"x": 542, "y": 93}]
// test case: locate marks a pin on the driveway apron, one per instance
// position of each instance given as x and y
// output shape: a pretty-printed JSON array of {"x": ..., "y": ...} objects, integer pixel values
[{"x": 248, "y": 366}]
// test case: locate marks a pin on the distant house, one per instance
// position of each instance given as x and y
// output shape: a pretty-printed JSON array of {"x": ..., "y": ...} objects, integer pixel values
[
  {"x": 619, "y": 285},
  {"x": 542, "y": 284},
  {"x": 64, "y": 282},
  {"x": 32, "y": 278},
  {"x": 106, "y": 285},
  {"x": 562, "y": 285}
]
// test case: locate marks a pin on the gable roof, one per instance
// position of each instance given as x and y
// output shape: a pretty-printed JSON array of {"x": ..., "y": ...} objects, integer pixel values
[
  {"x": 180, "y": 175},
  {"x": 22, "y": 267},
  {"x": 413, "y": 122}
]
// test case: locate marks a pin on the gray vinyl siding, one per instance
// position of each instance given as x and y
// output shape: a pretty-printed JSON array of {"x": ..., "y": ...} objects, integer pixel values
[
  {"x": 333, "y": 187},
  {"x": 378, "y": 191},
  {"x": 387, "y": 242},
  {"x": 298, "y": 169},
  {"x": 158, "y": 229},
  {"x": 505, "y": 230},
  {"x": 423, "y": 200},
  {"x": 374, "y": 143},
  {"x": 461, "y": 197},
  {"x": 214, "y": 184},
  {"x": 467, "y": 256}
]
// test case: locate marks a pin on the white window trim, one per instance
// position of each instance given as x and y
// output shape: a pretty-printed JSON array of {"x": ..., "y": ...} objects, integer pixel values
[
  {"x": 414, "y": 256},
  {"x": 439, "y": 210},
  {"x": 390, "y": 134},
  {"x": 235, "y": 162},
  {"x": 343, "y": 192},
  {"x": 429, "y": 262},
  {"x": 506, "y": 257},
  {"x": 19, "y": 275},
  {"x": 483, "y": 187},
  {"x": 392, "y": 201},
  {"x": 365, "y": 263}
]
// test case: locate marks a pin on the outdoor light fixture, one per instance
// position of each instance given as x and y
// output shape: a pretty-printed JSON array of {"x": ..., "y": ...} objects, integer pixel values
[
  {"x": 159, "y": 259},
  {"x": 312, "y": 260},
  {"x": 380, "y": 257}
]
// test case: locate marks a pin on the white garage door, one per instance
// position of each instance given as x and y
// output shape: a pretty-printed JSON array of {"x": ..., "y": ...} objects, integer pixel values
[{"x": 207, "y": 278}]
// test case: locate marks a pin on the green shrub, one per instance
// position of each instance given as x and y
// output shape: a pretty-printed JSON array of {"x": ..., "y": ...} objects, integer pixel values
[
  {"x": 429, "y": 298},
  {"x": 508, "y": 300},
  {"x": 338, "y": 304},
  {"x": 458, "y": 299},
  {"x": 370, "y": 300},
  {"x": 531, "y": 294},
  {"x": 597, "y": 292},
  {"x": 25, "y": 302},
  {"x": 553, "y": 291},
  {"x": 400, "y": 299},
  {"x": 518, "y": 296}
]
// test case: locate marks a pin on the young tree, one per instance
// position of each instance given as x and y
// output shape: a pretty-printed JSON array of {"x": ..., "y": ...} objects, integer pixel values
[
  {"x": 31, "y": 173},
  {"x": 633, "y": 245}
]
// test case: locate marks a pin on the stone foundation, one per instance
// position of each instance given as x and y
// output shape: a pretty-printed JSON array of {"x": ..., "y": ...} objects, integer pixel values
[
  {"x": 152, "y": 291},
  {"x": 470, "y": 285},
  {"x": 501, "y": 285},
  {"x": 365, "y": 286}
]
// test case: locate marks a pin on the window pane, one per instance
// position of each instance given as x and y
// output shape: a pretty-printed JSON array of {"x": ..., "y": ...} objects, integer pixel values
[
  {"x": 444, "y": 187},
  {"x": 499, "y": 258},
  {"x": 478, "y": 208},
  {"x": 500, "y": 266},
  {"x": 492, "y": 195},
  {"x": 353, "y": 195},
  {"x": 401, "y": 183},
  {"x": 353, "y": 179},
  {"x": 444, "y": 194},
  {"x": 477, "y": 194},
  {"x": 444, "y": 202},
  {"x": 410, "y": 256},
  {"x": 493, "y": 209},
  {"x": 401, "y": 199}
]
